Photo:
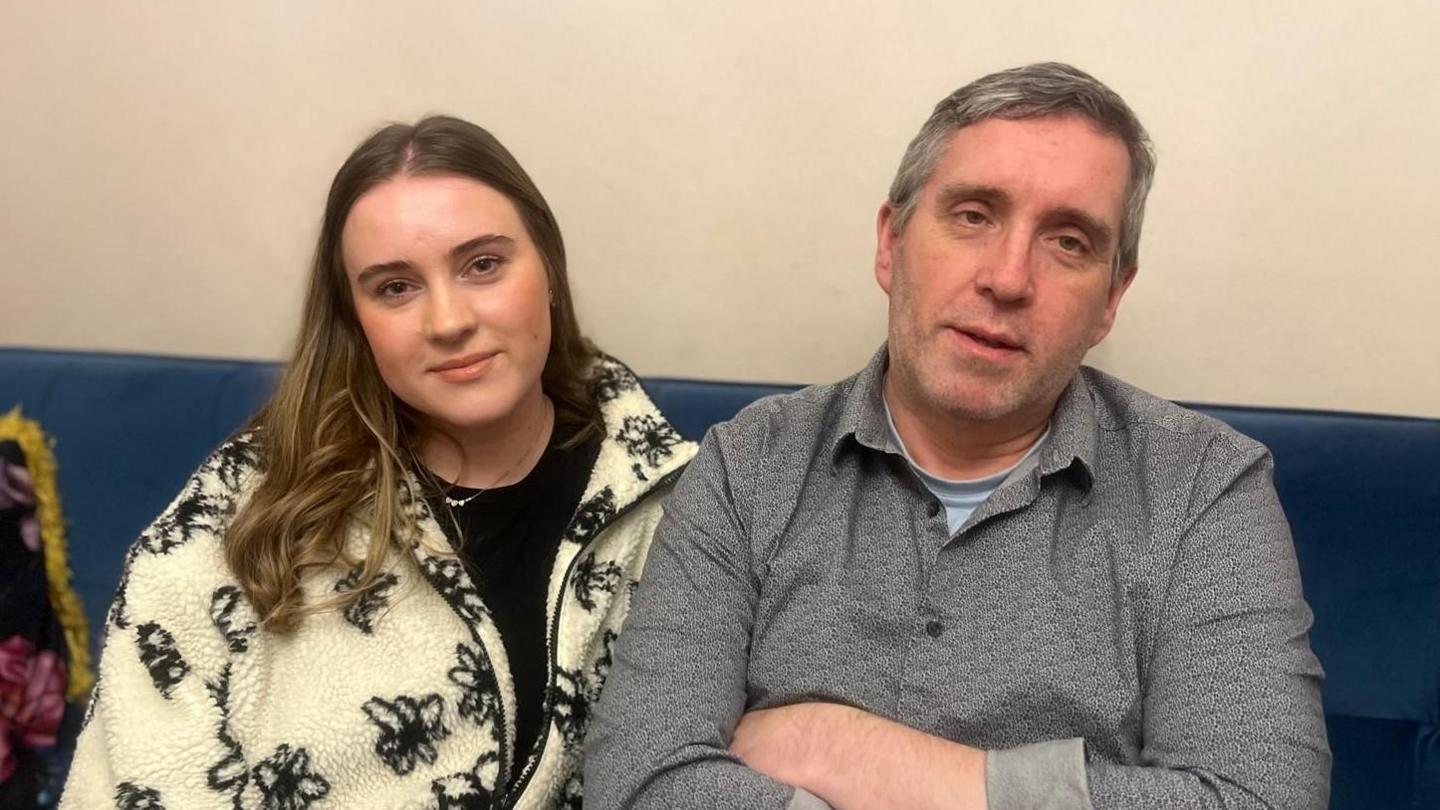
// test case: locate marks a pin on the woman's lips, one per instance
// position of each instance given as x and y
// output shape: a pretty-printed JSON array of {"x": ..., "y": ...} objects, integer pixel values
[{"x": 463, "y": 369}]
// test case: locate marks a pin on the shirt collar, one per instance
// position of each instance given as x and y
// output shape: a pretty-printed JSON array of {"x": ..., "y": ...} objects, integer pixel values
[
  {"x": 1073, "y": 432},
  {"x": 1072, "y": 427},
  {"x": 862, "y": 413}
]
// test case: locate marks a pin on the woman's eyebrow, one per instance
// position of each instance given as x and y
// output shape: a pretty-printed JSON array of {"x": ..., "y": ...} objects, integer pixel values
[
  {"x": 484, "y": 240},
  {"x": 383, "y": 267}
]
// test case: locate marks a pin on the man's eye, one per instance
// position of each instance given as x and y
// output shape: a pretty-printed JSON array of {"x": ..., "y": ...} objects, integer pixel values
[
  {"x": 1071, "y": 244},
  {"x": 972, "y": 217}
]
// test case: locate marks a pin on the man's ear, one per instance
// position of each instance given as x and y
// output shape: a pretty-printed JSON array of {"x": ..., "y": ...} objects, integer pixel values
[
  {"x": 1112, "y": 303},
  {"x": 885, "y": 239}
]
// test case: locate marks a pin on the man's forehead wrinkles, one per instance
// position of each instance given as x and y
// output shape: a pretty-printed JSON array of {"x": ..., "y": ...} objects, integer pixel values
[{"x": 1051, "y": 157}]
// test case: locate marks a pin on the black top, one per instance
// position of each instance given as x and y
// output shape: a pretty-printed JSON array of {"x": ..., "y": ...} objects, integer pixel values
[{"x": 510, "y": 536}]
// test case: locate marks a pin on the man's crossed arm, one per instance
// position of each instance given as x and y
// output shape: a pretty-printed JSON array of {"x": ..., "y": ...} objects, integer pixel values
[{"x": 672, "y": 728}]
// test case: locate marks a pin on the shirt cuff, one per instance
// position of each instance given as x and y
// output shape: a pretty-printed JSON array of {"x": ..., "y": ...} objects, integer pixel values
[
  {"x": 805, "y": 800},
  {"x": 1042, "y": 776}
]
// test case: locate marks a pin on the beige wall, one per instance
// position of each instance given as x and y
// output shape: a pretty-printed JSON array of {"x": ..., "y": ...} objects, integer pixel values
[{"x": 716, "y": 167}]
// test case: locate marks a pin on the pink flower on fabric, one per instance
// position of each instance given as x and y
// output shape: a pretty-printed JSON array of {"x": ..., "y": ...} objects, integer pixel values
[
  {"x": 7, "y": 757},
  {"x": 32, "y": 698},
  {"x": 18, "y": 490}
]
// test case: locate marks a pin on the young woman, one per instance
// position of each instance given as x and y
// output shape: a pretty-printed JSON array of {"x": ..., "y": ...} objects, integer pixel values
[{"x": 400, "y": 586}]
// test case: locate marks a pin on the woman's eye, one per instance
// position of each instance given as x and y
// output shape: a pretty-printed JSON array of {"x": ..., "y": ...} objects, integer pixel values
[
  {"x": 392, "y": 289},
  {"x": 485, "y": 264}
]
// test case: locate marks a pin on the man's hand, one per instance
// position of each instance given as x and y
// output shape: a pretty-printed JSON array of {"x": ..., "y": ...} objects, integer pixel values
[{"x": 851, "y": 758}]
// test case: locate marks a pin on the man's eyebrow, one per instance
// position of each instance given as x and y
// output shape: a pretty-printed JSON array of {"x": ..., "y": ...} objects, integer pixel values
[
  {"x": 484, "y": 240},
  {"x": 959, "y": 192},
  {"x": 1101, "y": 234}
]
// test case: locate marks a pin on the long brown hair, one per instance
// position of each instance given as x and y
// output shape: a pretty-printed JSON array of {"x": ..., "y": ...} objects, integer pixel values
[{"x": 335, "y": 444}]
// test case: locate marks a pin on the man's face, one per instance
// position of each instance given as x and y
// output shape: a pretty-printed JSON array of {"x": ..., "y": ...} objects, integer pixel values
[{"x": 1001, "y": 280}]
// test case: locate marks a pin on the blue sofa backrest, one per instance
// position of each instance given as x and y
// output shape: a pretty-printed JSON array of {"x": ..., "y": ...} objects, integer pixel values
[{"x": 1362, "y": 493}]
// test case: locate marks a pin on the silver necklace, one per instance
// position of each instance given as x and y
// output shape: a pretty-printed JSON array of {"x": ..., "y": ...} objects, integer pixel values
[
  {"x": 456, "y": 503},
  {"x": 459, "y": 502}
]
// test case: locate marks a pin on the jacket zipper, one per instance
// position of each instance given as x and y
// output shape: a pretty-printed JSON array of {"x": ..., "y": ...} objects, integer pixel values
[{"x": 532, "y": 762}]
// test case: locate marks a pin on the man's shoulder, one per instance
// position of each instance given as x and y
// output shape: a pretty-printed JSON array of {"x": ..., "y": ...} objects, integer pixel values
[
  {"x": 798, "y": 421},
  {"x": 1153, "y": 424}
]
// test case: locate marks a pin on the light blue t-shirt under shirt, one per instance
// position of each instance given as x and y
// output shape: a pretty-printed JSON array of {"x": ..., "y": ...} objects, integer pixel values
[{"x": 960, "y": 498}]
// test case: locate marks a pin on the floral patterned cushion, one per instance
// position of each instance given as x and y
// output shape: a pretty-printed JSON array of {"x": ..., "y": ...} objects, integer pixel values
[{"x": 40, "y": 620}]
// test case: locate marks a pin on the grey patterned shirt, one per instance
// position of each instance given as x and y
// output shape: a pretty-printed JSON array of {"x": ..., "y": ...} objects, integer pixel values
[{"x": 1120, "y": 627}]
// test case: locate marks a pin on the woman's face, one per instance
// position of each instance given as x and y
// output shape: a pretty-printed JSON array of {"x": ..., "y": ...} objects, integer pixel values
[{"x": 453, "y": 298}]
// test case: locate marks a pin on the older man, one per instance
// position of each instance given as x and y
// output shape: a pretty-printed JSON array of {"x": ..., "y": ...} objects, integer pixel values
[{"x": 976, "y": 573}]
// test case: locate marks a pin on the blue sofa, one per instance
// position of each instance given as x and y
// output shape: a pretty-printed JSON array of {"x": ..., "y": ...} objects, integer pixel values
[{"x": 1362, "y": 493}]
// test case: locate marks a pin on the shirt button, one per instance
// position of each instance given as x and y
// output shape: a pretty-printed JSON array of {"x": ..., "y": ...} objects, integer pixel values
[
  {"x": 934, "y": 628},
  {"x": 933, "y": 509}
]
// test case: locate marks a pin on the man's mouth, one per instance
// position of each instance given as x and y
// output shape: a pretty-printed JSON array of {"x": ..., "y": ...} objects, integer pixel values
[{"x": 991, "y": 340}]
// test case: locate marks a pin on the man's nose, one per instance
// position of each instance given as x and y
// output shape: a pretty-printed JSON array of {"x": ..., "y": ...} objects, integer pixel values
[
  {"x": 448, "y": 315},
  {"x": 1007, "y": 270}
]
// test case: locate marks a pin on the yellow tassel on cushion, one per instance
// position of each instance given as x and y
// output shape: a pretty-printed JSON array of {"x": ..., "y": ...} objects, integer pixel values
[{"x": 41, "y": 463}]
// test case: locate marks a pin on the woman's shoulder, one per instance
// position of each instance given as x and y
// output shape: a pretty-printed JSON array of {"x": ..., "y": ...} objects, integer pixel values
[
  {"x": 641, "y": 448},
  {"x": 175, "y": 571},
  {"x": 610, "y": 378},
  {"x": 187, "y": 537},
  {"x": 210, "y": 496}
]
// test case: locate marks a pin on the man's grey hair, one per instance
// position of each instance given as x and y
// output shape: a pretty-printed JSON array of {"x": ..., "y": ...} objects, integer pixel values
[{"x": 1033, "y": 91}]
